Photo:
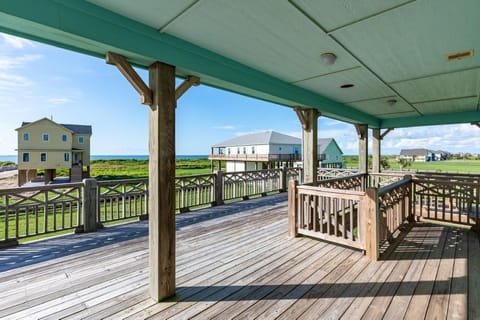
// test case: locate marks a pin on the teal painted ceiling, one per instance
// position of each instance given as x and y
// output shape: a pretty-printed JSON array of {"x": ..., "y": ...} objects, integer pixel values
[{"x": 394, "y": 52}]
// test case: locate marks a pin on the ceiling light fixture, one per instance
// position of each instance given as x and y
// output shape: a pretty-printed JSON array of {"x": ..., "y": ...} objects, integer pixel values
[
  {"x": 391, "y": 102},
  {"x": 328, "y": 58}
]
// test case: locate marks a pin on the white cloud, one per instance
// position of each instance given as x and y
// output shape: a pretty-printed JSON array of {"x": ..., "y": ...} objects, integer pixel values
[
  {"x": 226, "y": 127},
  {"x": 58, "y": 101},
  {"x": 8, "y": 63},
  {"x": 16, "y": 42}
]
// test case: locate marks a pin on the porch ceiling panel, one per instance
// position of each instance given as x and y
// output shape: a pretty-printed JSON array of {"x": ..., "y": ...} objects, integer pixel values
[
  {"x": 382, "y": 108},
  {"x": 271, "y": 49},
  {"x": 438, "y": 107},
  {"x": 366, "y": 86},
  {"x": 438, "y": 87},
  {"x": 262, "y": 40}
]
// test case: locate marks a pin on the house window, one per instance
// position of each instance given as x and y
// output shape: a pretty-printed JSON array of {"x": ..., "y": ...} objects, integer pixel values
[
  {"x": 244, "y": 150},
  {"x": 45, "y": 137},
  {"x": 228, "y": 150},
  {"x": 64, "y": 138},
  {"x": 66, "y": 157},
  {"x": 253, "y": 150},
  {"x": 26, "y": 157},
  {"x": 26, "y": 136},
  {"x": 80, "y": 140},
  {"x": 238, "y": 150},
  {"x": 43, "y": 157}
]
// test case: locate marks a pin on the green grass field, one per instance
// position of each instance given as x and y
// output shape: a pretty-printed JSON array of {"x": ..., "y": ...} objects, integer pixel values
[{"x": 454, "y": 166}]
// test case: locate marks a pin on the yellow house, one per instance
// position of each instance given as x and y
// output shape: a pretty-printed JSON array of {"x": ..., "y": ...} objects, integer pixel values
[{"x": 45, "y": 144}]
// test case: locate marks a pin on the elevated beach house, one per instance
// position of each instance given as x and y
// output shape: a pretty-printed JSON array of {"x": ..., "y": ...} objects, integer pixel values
[
  {"x": 45, "y": 144},
  {"x": 270, "y": 149},
  {"x": 423, "y": 155}
]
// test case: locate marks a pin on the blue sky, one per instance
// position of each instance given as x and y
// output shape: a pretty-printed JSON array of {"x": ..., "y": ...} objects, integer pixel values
[{"x": 38, "y": 80}]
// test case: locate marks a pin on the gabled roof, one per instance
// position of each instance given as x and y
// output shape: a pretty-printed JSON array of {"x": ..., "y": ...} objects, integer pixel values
[
  {"x": 323, "y": 144},
  {"x": 414, "y": 152},
  {"x": 260, "y": 138},
  {"x": 74, "y": 128}
]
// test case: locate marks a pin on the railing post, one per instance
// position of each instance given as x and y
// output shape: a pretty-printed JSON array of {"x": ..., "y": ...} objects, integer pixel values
[
  {"x": 219, "y": 188},
  {"x": 89, "y": 205},
  {"x": 283, "y": 180},
  {"x": 410, "y": 196},
  {"x": 292, "y": 208},
  {"x": 371, "y": 223}
]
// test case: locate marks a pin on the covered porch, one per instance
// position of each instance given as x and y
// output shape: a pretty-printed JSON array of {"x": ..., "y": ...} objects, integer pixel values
[
  {"x": 358, "y": 63},
  {"x": 236, "y": 261}
]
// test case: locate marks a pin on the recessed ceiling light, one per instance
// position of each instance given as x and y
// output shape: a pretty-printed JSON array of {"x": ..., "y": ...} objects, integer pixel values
[
  {"x": 328, "y": 58},
  {"x": 391, "y": 101},
  {"x": 347, "y": 85},
  {"x": 460, "y": 55}
]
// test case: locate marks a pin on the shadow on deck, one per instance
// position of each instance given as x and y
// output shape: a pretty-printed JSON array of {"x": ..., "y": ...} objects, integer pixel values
[{"x": 236, "y": 261}]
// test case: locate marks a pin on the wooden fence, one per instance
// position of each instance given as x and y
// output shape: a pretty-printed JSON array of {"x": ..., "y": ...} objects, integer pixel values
[{"x": 27, "y": 212}]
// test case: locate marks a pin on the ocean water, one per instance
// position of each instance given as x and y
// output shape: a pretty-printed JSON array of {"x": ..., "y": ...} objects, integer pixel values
[{"x": 13, "y": 158}]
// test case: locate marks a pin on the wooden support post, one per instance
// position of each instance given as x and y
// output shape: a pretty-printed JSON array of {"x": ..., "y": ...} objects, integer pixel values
[
  {"x": 362, "y": 132},
  {"x": 376, "y": 150},
  {"x": 219, "y": 188},
  {"x": 89, "y": 205},
  {"x": 310, "y": 146},
  {"x": 292, "y": 208},
  {"x": 162, "y": 181},
  {"x": 371, "y": 224}
]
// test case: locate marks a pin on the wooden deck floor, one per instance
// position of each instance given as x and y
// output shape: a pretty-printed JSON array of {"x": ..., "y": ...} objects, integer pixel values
[{"x": 236, "y": 261}]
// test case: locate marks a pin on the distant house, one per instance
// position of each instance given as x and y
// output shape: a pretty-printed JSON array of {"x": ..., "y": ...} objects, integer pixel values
[
  {"x": 45, "y": 144},
  {"x": 270, "y": 149},
  {"x": 423, "y": 155}
]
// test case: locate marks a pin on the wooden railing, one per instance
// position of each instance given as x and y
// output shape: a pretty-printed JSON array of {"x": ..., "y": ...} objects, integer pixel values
[
  {"x": 196, "y": 190},
  {"x": 450, "y": 198},
  {"x": 27, "y": 212},
  {"x": 249, "y": 183},
  {"x": 378, "y": 180},
  {"x": 256, "y": 157},
  {"x": 394, "y": 208},
  {"x": 329, "y": 173},
  {"x": 122, "y": 199},
  {"x": 356, "y": 182},
  {"x": 328, "y": 214}
]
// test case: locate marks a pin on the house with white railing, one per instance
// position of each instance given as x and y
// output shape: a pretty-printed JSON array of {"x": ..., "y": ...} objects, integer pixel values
[
  {"x": 45, "y": 144},
  {"x": 270, "y": 149}
]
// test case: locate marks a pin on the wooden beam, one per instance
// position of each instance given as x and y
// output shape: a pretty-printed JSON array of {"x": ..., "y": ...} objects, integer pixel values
[
  {"x": 359, "y": 131},
  {"x": 386, "y": 132},
  {"x": 301, "y": 117},
  {"x": 185, "y": 85},
  {"x": 162, "y": 181},
  {"x": 129, "y": 73}
]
